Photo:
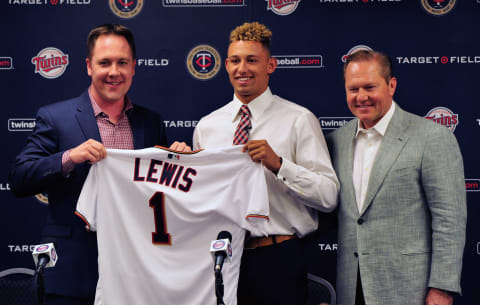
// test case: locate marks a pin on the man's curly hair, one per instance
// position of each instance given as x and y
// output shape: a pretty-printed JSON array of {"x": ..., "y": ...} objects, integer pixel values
[{"x": 252, "y": 31}]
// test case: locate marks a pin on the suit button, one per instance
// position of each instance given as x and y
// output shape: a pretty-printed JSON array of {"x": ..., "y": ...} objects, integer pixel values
[
  {"x": 355, "y": 254},
  {"x": 360, "y": 221}
]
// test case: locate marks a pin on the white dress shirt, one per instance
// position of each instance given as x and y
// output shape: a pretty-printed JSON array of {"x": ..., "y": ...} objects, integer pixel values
[
  {"x": 306, "y": 180},
  {"x": 367, "y": 142}
]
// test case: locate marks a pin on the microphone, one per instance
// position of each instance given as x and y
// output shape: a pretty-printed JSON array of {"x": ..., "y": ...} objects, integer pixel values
[
  {"x": 44, "y": 256},
  {"x": 221, "y": 248}
]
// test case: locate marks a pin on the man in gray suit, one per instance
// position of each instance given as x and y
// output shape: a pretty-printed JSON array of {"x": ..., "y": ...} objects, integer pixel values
[{"x": 402, "y": 212}]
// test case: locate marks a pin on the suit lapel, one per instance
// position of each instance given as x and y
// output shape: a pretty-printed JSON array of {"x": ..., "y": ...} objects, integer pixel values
[
  {"x": 137, "y": 125},
  {"x": 346, "y": 169},
  {"x": 392, "y": 144},
  {"x": 86, "y": 118}
]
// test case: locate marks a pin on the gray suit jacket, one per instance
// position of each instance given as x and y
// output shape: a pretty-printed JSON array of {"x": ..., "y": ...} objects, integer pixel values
[{"x": 410, "y": 234}]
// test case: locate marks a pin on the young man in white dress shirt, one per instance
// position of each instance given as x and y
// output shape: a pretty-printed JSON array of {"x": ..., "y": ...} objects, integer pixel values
[{"x": 288, "y": 140}]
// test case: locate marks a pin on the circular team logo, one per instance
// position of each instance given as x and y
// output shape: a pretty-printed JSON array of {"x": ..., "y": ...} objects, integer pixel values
[
  {"x": 126, "y": 8},
  {"x": 282, "y": 7},
  {"x": 54, "y": 255},
  {"x": 42, "y": 248},
  {"x": 356, "y": 48},
  {"x": 50, "y": 62},
  {"x": 219, "y": 244},
  {"x": 443, "y": 116},
  {"x": 42, "y": 197},
  {"x": 203, "y": 62},
  {"x": 438, "y": 7}
]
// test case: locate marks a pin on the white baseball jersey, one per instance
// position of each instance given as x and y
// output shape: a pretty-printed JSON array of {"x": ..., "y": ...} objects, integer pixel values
[{"x": 156, "y": 212}]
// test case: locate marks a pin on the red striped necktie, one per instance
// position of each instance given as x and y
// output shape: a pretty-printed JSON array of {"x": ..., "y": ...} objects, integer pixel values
[{"x": 241, "y": 134}]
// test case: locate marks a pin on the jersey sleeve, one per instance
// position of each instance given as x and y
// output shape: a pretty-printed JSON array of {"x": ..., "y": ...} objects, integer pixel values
[
  {"x": 257, "y": 207},
  {"x": 87, "y": 202}
]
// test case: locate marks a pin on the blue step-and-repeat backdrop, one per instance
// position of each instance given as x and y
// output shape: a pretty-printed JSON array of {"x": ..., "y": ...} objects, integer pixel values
[{"x": 181, "y": 48}]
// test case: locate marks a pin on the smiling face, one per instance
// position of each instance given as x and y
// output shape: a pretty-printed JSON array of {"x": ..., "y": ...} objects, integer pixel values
[
  {"x": 249, "y": 66},
  {"x": 369, "y": 95},
  {"x": 112, "y": 68}
]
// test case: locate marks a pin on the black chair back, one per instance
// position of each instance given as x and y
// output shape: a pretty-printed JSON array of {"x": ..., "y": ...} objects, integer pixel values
[
  {"x": 17, "y": 287},
  {"x": 320, "y": 291}
]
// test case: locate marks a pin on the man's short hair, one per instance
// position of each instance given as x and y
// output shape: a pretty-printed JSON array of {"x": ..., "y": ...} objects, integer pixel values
[
  {"x": 366, "y": 55},
  {"x": 252, "y": 31},
  {"x": 110, "y": 29}
]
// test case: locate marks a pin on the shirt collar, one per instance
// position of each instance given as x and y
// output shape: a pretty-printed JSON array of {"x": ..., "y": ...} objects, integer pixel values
[
  {"x": 381, "y": 126},
  {"x": 98, "y": 111},
  {"x": 256, "y": 106}
]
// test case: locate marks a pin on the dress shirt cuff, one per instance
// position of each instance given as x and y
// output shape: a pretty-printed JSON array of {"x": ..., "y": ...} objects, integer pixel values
[
  {"x": 67, "y": 164},
  {"x": 287, "y": 172}
]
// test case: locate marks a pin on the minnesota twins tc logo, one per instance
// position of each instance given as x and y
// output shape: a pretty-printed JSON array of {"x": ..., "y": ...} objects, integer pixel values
[
  {"x": 438, "y": 7},
  {"x": 203, "y": 62},
  {"x": 126, "y": 8}
]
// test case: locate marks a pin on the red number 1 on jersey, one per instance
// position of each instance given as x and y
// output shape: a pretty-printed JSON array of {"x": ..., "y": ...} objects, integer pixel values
[{"x": 160, "y": 236}]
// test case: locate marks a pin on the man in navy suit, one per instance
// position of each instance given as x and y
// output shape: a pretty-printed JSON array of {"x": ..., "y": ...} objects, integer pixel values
[{"x": 70, "y": 136}]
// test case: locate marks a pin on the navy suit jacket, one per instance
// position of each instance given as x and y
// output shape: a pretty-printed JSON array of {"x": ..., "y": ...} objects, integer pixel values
[{"x": 38, "y": 169}]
